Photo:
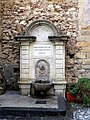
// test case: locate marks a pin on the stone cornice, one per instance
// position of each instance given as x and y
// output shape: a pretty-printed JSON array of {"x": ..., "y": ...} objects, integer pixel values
[
  {"x": 24, "y": 38},
  {"x": 59, "y": 38}
]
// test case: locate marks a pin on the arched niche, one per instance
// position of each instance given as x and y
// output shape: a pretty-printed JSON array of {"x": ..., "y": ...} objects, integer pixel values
[{"x": 41, "y": 29}]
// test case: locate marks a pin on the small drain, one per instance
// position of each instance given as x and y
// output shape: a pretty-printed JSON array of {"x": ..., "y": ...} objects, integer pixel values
[{"x": 41, "y": 102}]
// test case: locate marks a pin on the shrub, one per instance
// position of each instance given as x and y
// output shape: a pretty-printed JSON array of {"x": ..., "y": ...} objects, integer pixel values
[{"x": 82, "y": 91}]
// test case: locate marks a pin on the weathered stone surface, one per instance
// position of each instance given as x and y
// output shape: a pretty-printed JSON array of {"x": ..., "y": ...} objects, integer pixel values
[
  {"x": 2, "y": 81},
  {"x": 78, "y": 61},
  {"x": 85, "y": 32},
  {"x": 86, "y": 61},
  {"x": 87, "y": 75},
  {"x": 86, "y": 49},
  {"x": 81, "y": 71},
  {"x": 80, "y": 55},
  {"x": 87, "y": 67},
  {"x": 83, "y": 44}
]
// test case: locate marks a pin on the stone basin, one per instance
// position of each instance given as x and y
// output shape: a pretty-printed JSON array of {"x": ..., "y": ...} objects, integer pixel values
[{"x": 42, "y": 85}]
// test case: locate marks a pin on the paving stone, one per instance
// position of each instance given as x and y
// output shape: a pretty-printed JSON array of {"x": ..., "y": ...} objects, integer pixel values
[
  {"x": 14, "y": 99},
  {"x": 53, "y": 118},
  {"x": 28, "y": 118},
  {"x": 7, "y": 118}
]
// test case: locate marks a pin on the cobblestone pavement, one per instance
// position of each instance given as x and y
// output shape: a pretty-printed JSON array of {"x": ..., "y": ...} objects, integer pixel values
[
  {"x": 77, "y": 112},
  {"x": 81, "y": 113}
]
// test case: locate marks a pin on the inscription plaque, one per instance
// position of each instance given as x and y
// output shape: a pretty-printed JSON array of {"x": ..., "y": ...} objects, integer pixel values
[{"x": 42, "y": 50}]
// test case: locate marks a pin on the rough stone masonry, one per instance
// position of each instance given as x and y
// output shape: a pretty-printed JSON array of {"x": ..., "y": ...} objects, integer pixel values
[{"x": 16, "y": 16}]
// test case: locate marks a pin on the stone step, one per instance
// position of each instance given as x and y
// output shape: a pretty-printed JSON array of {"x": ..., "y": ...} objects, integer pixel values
[{"x": 30, "y": 111}]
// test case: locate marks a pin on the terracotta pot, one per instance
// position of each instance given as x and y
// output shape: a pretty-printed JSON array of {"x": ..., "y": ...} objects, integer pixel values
[{"x": 69, "y": 97}]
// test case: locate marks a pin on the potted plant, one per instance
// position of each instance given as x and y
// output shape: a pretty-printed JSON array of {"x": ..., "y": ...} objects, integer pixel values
[
  {"x": 82, "y": 91},
  {"x": 70, "y": 97}
]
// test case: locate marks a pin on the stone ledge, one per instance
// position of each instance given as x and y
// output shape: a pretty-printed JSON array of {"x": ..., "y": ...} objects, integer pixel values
[
  {"x": 26, "y": 81},
  {"x": 25, "y": 38},
  {"x": 58, "y": 38},
  {"x": 59, "y": 82}
]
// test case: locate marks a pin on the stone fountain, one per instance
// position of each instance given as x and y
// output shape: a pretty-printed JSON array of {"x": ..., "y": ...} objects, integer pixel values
[
  {"x": 42, "y": 60},
  {"x": 41, "y": 84}
]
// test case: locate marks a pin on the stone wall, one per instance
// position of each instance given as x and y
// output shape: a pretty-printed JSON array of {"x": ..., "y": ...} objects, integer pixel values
[
  {"x": 83, "y": 55},
  {"x": 0, "y": 29},
  {"x": 17, "y": 16}
]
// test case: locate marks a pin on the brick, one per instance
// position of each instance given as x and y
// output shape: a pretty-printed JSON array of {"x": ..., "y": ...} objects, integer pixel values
[
  {"x": 87, "y": 75},
  {"x": 83, "y": 44},
  {"x": 86, "y": 61},
  {"x": 84, "y": 38},
  {"x": 85, "y": 32},
  {"x": 85, "y": 49},
  {"x": 80, "y": 55},
  {"x": 88, "y": 55},
  {"x": 86, "y": 67},
  {"x": 85, "y": 28},
  {"x": 81, "y": 71}
]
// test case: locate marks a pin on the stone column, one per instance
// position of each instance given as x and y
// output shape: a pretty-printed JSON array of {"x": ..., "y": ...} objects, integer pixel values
[
  {"x": 0, "y": 49},
  {"x": 60, "y": 82},
  {"x": 60, "y": 61},
  {"x": 24, "y": 83},
  {"x": 24, "y": 68}
]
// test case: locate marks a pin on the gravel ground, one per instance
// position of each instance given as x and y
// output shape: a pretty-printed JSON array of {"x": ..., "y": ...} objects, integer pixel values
[{"x": 77, "y": 112}]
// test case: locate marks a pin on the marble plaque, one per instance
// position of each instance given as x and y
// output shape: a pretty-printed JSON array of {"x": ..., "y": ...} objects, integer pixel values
[
  {"x": 59, "y": 52},
  {"x": 58, "y": 76},
  {"x": 24, "y": 51},
  {"x": 59, "y": 62},
  {"x": 59, "y": 66},
  {"x": 25, "y": 47},
  {"x": 24, "y": 61},
  {"x": 25, "y": 57},
  {"x": 24, "y": 66},
  {"x": 59, "y": 57},
  {"x": 25, "y": 71},
  {"x": 42, "y": 50},
  {"x": 59, "y": 71},
  {"x": 59, "y": 47},
  {"x": 24, "y": 75}
]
